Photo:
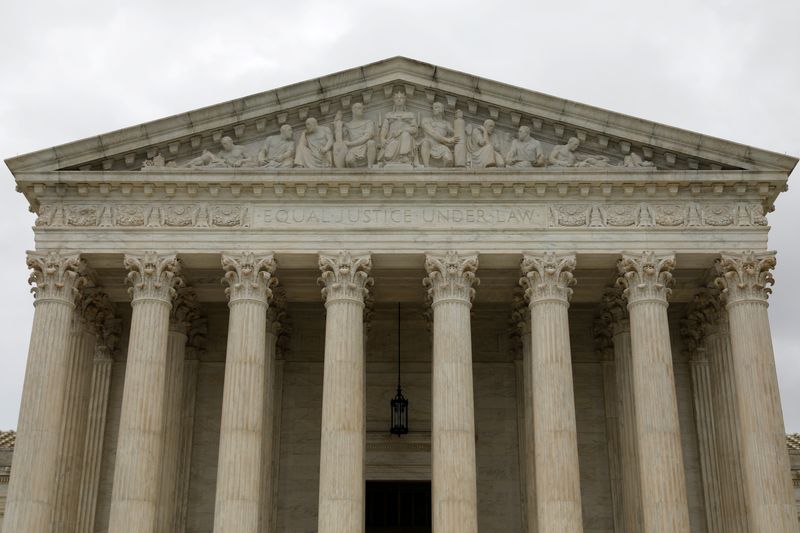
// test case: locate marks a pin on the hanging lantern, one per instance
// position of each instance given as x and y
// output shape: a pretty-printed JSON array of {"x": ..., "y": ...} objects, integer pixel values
[{"x": 399, "y": 404}]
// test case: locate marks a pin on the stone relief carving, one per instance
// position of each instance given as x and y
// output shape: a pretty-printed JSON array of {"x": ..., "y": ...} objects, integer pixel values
[
  {"x": 566, "y": 215},
  {"x": 563, "y": 155},
  {"x": 231, "y": 155},
  {"x": 439, "y": 138},
  {"x": 484, "y": 146},
  {"x": 525, "y": 151},
  {"x": 355, "y": 144},
  {"x": 398, "y": 131},
  {"x": 278, "y": 150},
  {"x": 313, "y": 150}
]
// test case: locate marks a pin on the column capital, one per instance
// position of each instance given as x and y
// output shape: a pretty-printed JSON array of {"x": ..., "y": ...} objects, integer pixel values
[
  {"x": 95, "y": 308},
  {"x": 520, "y": 312},
  {"x": 604, "y": 337},
  {"x": 451, "y": 277},
  {"x": 646, "y": 277},
  {"x": 153, "y": 276},
  {"x": 344, "y": 276},
  {"x": 108, "y": 338},
  {"x": 250, "y": 276},
  {"x": 185, "y": 310},
  {"x": 276, "y": 314},
  {"x": 745, "y": 276},
  {"x": 547, "y": 277},
  {"x": 57, "y": 276}
]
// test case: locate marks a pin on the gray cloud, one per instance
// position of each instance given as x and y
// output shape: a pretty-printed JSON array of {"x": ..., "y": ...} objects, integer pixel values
[{"x": 71, "y": 70}]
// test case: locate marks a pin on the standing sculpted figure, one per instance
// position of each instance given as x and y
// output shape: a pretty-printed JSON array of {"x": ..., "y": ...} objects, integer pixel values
[
  {"x": 563, "y": 155},
  {"x": 439, "y": 137},
  {"x": 397, "y": 134},
  {"x": 314, "y": 147},
  {"x": 278, "y": 150},
  {"x": 482, "y": 145},
  {"x": 525, "y": 151},
  {"x": 358, "y": 140},
  {"x": 231, "y": 155}
]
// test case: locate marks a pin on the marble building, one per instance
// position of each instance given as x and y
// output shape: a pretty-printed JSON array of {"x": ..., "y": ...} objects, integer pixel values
[{"x": 577, "y": 300}]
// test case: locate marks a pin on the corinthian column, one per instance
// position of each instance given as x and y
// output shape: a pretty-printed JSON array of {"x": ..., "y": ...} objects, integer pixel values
[
  {"x": 184, "y": 312},
  {"x": 32, "y": 490},
  {"x": 547, "y": 279},
  {"x": 450, "y": 281},
  {"x": 88, "y": 318},
  {"x": 645, "y": 279},
  {"x": 522, "y": 320},
  {"x": 744, "y": 279},
  {"x": 616, "y": 314},
  {"x": 712, "y": 317},
  {"x": 345, "y": 279},
  {"x": 249, "y": 277},
  {"x": 137, "y": 472}
]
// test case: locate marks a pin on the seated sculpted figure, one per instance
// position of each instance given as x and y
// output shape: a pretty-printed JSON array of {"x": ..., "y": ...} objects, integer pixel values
[
  {"x": 231, "y": 155},
  {"x": 314, "y": 147},
  {"x": 278, "y": 150},
  {"x": 439, "y": 137},
  {"x": 397, "y": 134},
  {"x": 525, "y": 151},
  {"x": 358, "y": 140},
  {"x": 482, "y": 145},
  {"x": 564, "y": 155}
]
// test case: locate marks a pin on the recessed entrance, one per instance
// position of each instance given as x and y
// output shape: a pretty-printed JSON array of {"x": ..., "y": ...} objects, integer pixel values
[{"x": 398, "y": 507}]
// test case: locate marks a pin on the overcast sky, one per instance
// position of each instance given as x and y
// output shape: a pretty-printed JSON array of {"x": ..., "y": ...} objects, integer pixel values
[{"x": 69, "y": 70}]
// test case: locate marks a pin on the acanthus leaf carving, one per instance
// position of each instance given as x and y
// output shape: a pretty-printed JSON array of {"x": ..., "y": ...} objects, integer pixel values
[
  {"x": 746, "y": 276},
  {"x": 451, "y": 276},
  {"x": 153, "y": 276},
  {"x": 646, "y": 277},
  {"x": 345, "y": 276},
  {"x": 547, "y": 277},
  {"x": 249, "y": 276},
  {"x": 615, "y": 310},
  {"x": 185, "y": 310},
  {"x": 56, "y": 276}
]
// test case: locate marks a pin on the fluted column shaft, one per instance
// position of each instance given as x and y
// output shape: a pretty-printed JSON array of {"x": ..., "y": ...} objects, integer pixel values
[
  {"x": 32, "y": 489},
  {"x": 726, "y": 427},
  {"x": 273, "y": 328},
  {"x": 74, "y": 422},
  {"x": 345, "y": 279},
  {"x": 137, "y": 472},
  {"x": 527, "y": 444},
  {"x": 661, "y": 475},
  {"x": 547, "y": 279},
  {"x": 454, "y": 484},
  {"x": 238, "y": 499},
  {"x": 184, "y": 310},
  {"x": 93, "y": 446},
  {"x": 745, "y": 279},
  {"x": 704, "y": 418}
]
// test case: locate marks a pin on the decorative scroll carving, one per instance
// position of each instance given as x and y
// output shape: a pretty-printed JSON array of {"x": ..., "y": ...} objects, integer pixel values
[
  {"x": 153, "y": 276},
  {"x": 344, "y": 276},
  {"x": 646, "y": 277},
  {"x": 746, "y": 276},
  {"x": 451, "y": 276},
  {"x": 547, "y": 277},
  {"x": 249, "y": 276},
  {"x": 56, "y": 276}
]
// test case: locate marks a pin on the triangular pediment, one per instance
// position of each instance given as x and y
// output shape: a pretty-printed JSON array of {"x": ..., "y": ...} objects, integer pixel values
[{"x": 615, "y": 139}]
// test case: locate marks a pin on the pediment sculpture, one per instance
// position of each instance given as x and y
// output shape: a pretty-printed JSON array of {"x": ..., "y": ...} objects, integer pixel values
[{"x": 400, "y": 139}]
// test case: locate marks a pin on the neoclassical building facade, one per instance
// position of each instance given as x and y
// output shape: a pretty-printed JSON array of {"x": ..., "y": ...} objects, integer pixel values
[{"x": 574, "y": 301}]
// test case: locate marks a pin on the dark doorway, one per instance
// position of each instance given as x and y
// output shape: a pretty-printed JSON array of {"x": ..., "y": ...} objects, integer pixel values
[{"x": 398, "y": 507}]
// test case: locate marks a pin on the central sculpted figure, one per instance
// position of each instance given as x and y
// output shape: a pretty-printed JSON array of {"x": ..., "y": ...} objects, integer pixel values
[
  {"x": 397, "y": 134},
  {"x": 278, "y": 150},
  {"x": 525, "y": 151},
  {"x": 314, "y": 147},
  {"x": 439, "y": 137}
]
